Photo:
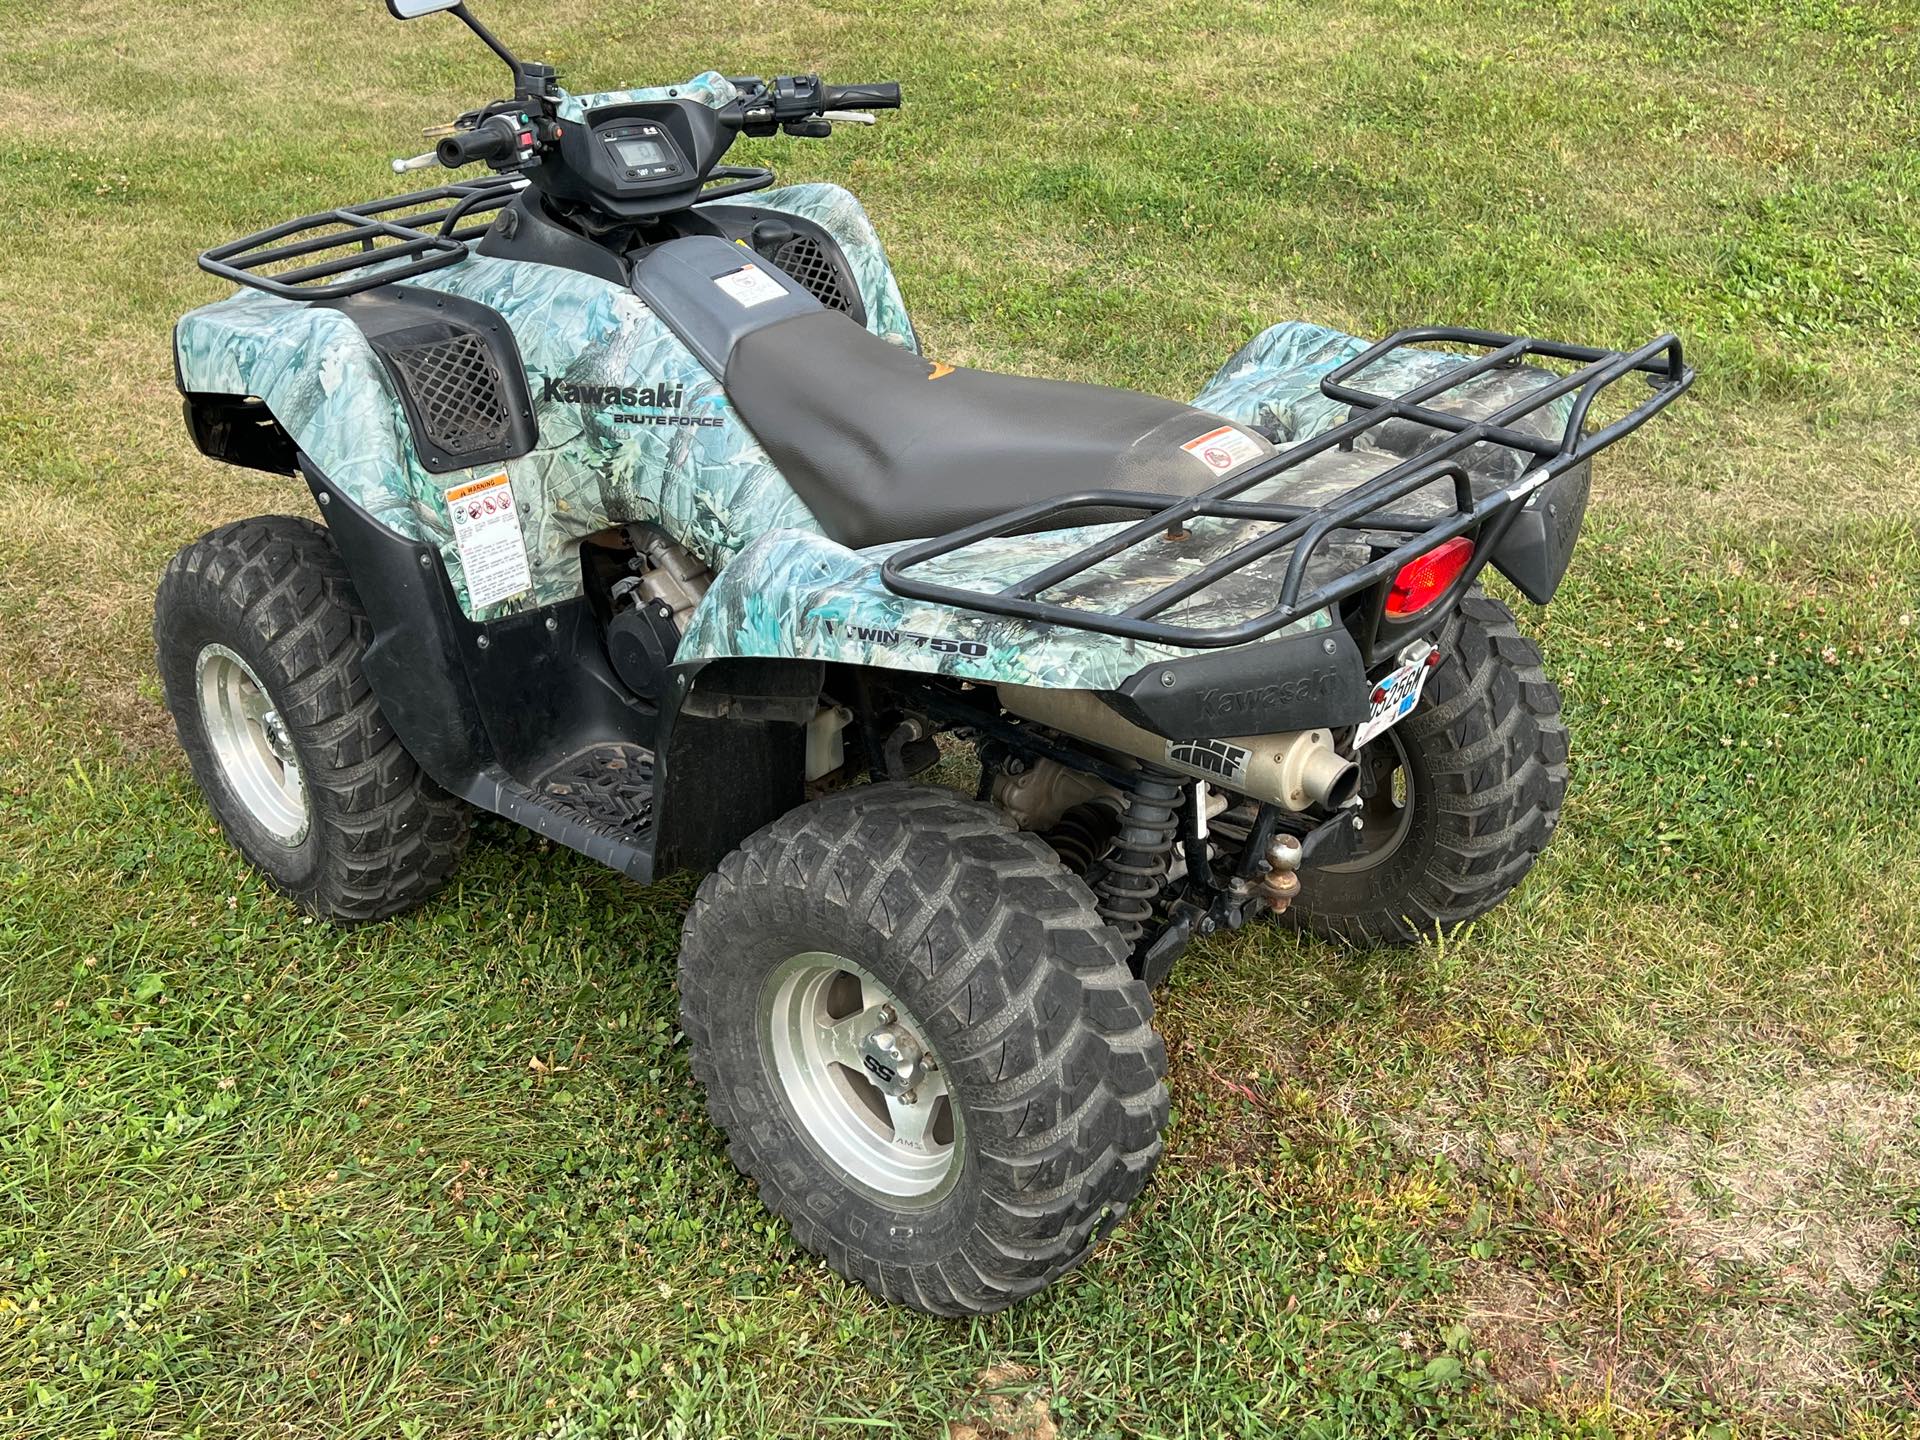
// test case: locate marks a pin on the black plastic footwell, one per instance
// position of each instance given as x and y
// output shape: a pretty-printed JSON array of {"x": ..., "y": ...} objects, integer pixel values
[
  {"x": 598, "y": 801},
  {"x": 608, "y": 787}
]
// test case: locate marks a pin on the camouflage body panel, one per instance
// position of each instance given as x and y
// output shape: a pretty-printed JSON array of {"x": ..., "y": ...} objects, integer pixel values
[
  {"x": 1273, "y": 381},
  {"x": 804, "y": 596},
  {"x": 710, "y": 485},
  {"x": 1273, "y": 384},
  {"x": 322, "y": 382},
  {"x": 836, "y": 211},
  {"x": 796, "y": 595}
]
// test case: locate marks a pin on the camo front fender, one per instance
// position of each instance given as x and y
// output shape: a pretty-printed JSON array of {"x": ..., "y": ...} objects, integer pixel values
[{"x": 320, "y": 379}]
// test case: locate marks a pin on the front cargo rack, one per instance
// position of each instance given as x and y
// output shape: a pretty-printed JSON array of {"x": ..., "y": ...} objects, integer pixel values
[
  {"x": 1359, "y": 512},
  {"x": 383, "y": 241}
]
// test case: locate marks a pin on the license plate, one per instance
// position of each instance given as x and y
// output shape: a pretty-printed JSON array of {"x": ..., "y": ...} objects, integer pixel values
[{"x": 1395, "y": 697}]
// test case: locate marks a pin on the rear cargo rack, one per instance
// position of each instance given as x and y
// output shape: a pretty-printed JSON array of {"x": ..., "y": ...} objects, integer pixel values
[
  {"x": 1307, "y": 528},
  {"x": 382, "y": 241}
]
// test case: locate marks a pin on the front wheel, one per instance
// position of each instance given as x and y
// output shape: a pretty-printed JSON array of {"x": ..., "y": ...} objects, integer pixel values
[
  {"x": 923, "y": 1044},
  {"x": 1458, "y": 800},
  {"x": 259, "y": 636}
]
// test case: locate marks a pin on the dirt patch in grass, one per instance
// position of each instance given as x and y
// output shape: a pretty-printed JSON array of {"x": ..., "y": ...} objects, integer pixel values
[
  {"x": 1760, "y": 1243},
  {"x": 1521, "y": 1321},
  {"x": 1797, "y": 1189},
  {"x": 1007, "y": 1405}
]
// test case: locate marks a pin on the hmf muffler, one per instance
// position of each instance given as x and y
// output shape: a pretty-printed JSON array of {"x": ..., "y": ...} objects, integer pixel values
[{"x": 1295, "y": 769}]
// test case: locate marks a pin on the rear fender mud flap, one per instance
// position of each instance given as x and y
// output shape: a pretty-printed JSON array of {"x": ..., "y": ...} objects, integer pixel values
[{"x": 1538, "y": 547}]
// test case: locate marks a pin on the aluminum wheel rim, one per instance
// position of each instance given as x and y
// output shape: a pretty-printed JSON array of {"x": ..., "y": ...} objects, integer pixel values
[
  {"x": 251, "y": 744},
  {"x": 817, "y": 1012},
  {"x": 1387, "y": 812}
]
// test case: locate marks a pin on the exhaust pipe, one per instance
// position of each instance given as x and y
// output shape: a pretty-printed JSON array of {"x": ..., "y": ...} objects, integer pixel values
[
  {"x": 1314, "y": 769},
  {"x": 1295, "y": 769}
]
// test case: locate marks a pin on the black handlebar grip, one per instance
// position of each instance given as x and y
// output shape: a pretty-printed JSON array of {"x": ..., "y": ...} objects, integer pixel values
[
  {"x": 882, "y": 96},
  {"x": 491, "y": 140}
]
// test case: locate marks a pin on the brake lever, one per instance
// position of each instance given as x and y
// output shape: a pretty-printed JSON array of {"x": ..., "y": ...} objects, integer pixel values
[
  {"x": 418, "y": 162},
  {"x": 850, "y": 117}
]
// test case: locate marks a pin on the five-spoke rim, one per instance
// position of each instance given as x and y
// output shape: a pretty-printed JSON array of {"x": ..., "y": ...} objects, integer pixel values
[
  {"x": 862, "y": 1079},
  {"x": 251, "y": 743}
]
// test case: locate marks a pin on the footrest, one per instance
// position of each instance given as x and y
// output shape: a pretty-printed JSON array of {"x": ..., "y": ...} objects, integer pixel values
[
  {"x": 598, "y": 801},
  {"x": 607, "y": 787}
]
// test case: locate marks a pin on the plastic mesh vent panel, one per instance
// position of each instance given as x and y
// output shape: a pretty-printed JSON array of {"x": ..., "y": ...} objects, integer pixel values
[
  {"x": 803, "y": 259},
  {"x": 457, "y": 390}
]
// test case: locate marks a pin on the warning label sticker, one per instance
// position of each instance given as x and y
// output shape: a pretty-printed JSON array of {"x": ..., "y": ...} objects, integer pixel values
[
  {"x": 1224, "y": 449},
  {"x": 486, "y": 528},
  {"x": 750, "y": 285}
]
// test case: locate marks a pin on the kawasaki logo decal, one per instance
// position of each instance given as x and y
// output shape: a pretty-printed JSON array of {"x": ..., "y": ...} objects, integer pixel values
[
  {"x": 666, "y": 395},
  {"x": 1223, "y": 704}
]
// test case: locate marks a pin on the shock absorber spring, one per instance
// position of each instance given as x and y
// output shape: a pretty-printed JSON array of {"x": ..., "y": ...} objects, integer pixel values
[
  {"x": 1082, "y": 835},
  {"x": 1136, "y": 867}
]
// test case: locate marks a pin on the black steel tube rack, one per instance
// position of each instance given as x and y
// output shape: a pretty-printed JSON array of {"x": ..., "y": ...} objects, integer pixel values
[
  {"x": 426, "y": 230},
  {"x": 1307, "y": 528}
]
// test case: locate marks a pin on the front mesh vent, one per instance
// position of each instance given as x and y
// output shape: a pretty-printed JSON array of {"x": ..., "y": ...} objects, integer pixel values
[
  {"x": 457, "y": 390},
  {"x": 803, "y": 259}
]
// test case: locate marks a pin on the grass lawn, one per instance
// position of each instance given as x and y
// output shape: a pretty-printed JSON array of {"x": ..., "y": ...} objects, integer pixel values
[{"x": 1638, "y": 1156}]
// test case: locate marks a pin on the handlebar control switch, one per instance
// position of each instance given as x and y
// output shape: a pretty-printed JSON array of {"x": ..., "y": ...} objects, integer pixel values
[{"x": 795, "y": 97}]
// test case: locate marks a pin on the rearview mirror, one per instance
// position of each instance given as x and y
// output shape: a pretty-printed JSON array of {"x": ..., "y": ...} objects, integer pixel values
[{"x": 414, "y": 9}]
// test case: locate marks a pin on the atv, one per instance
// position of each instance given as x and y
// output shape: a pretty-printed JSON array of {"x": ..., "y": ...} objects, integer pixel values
[{"x": 647, "y": 524}]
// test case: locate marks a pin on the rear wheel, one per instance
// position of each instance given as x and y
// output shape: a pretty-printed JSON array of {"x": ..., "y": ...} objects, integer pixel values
[
  {"x": 1459, "y": 799},
  {"x": 259, "y": 639},
  {"x": 923, "y": 1044}
]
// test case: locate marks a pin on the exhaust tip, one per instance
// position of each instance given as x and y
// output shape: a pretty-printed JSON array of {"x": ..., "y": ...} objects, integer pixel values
[{"x": 1342, "y": 788}]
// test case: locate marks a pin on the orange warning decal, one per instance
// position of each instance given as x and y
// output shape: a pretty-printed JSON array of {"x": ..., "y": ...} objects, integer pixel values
[{"x": 473, "y": 487}]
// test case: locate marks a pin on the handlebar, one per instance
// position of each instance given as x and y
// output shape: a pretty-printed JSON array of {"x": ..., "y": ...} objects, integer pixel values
[
  {"x": 884, "y": 95},
  {"x": 799, "y": 105},
  {"x": 494, "y": 138}
]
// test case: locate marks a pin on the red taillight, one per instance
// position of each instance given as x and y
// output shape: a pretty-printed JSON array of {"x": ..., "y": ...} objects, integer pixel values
[{"x": 1425, "y": 578}]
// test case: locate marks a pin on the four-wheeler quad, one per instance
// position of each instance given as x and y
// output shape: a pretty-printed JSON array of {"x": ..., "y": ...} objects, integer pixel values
[{"x": 648, "y": 525}]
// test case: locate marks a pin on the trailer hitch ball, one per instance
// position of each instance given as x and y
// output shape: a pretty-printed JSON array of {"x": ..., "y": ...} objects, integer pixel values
[{"x": 1280, "y": 886}]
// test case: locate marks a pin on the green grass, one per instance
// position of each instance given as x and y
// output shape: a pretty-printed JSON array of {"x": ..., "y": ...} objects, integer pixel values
[{"x": 1639, "y": 1156}]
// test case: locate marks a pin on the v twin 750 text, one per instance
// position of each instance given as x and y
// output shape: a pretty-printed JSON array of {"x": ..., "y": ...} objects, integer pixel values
[{"x": 646, "y": 523}]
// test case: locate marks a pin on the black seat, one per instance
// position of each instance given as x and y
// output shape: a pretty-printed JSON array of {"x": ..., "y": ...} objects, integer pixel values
[{"x": 886, "y": 445}]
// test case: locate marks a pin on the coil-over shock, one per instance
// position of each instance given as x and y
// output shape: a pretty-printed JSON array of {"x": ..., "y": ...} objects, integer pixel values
[
  {"x": 1135, "y": 869},
  {"x": 1082, "y": 836}
]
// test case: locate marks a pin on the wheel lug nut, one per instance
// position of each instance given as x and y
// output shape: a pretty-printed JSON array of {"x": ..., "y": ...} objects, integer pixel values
[{"x": 886, "y": 1015}]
